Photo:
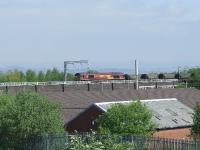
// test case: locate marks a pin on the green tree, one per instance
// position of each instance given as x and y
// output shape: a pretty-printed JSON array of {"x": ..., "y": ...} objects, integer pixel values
[
  {"x": 7, "y": 123},
  {"x": 71, "y": 77},
  {"x": 48, "y": 75},
  {"x": 196, "y": 121},
  {"x": 2, "y": 77},
  {"x": 31, "y": 76},
  {"x": 195, "y": 74},
  {"x": 27, "y": 115},
  {"x": 161, "y": 76},
  {"x": 41, "y": 76},
  {"x": 55, "y": 75},
  {"x": 133, "y": 118},
  {"x": 177, "y": 76},
  {"x": 15, "y": 76}
]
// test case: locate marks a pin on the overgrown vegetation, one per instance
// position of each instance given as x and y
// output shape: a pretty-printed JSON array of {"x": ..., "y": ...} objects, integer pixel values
[
  {"x": 195, "y": 74},
  {"x": 27, "y": 115},
  {"x": 124, "y": 119},
  {"x": 102, "y": 142},
  {"x": 190, "y": 78},
  {"x": 130, "y": 142},
  {"x": 196, "y": 122}
]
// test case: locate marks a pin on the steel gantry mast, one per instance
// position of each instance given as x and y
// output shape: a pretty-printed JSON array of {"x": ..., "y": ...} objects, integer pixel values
[{"x": 67, "y": 63}]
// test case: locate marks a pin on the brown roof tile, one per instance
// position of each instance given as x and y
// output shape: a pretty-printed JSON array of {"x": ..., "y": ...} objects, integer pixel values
[{"x": 74, "y": 101}]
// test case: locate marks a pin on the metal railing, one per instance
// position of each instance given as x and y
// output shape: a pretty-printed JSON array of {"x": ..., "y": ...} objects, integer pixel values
[
  {"x": 64, "y": 142},
  {"x": 86, "y": 82}
]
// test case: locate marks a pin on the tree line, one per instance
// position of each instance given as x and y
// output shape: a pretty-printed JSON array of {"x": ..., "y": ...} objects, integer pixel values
[
  {"x": 34, "y": 76},
  {"x": 57, "y": 75}
]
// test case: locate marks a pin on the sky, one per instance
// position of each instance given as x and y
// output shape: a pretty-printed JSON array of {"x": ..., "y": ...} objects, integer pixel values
[{"x": 160, "y": 34}]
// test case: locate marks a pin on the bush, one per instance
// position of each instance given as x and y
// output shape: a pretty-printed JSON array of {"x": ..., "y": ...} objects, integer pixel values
[
  {"x": 177, "y": 76},
  {"x": 196, "y": 122},
  {"x": 124, "y": 119},
  {"x": 27, "y": 115},
  {"x": 144, "y": 76},
  {"x": 99, "y": 142},
  {"x": 195, "y": 74},
  {"x": 161, "y": 76}
]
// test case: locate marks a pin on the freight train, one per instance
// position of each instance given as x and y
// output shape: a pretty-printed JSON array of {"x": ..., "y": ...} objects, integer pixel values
[{"x": 101, "y": 76}]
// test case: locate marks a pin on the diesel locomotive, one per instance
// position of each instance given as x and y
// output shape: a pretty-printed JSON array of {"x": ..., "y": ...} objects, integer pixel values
[{"x": 100, "y": 76}]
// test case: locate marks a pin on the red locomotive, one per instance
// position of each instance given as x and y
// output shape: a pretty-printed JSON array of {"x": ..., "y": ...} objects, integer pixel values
[{"x": 100, "y": 76}]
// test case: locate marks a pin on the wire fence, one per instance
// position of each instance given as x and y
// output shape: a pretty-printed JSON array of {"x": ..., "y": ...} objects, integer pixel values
[{"x": 67, "y": 142}]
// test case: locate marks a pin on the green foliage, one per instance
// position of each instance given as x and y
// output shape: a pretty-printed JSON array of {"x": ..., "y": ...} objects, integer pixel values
[
  {"x": 41, "y": 76},
  {"x": 195, "y": 74},
  {"x": 12, "y": 76},
  {"x": 71, "y": 77},
  {"x": 95, "y": 142},
  {"x": 177, "y": 76},
  {"x": 161, "y": 76},
  {"x": 196, "y": 121},
  {"x": 15, "y": 76},
  {"x": 27, "y": 115},
  {"x": 125, "y": 119},
  {"x": 54, "y": 75},
  {"x": 31, "y": 76}
]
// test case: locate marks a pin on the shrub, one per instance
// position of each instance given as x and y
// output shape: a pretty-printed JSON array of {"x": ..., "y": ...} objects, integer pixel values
[
  {"x": 196, "y": 122},
  {"x": 133, "y": 118},
  {"x": 27, "y": 115}
]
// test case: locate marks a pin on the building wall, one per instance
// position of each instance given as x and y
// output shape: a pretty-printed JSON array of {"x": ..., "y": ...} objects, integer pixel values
[
  {"x": 183, "y": 133},
  {"x": 85, "y": 121}
]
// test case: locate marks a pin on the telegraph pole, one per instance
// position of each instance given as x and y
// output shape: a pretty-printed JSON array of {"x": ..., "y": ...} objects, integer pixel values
[
  {"x": 179, "y": 72},
  {"x": 136, "y": 74}
]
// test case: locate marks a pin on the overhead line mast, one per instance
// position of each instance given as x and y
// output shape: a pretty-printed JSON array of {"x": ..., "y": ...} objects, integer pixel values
[
  {"x": 67, "y": 63},
  {"x": 136, "y": 74}
]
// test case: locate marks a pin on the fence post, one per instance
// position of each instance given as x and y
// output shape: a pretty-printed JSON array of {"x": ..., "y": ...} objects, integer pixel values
[
  {"x": 36, "y": 88},
  {"x": 112, "y": 85},
  {"x": 63, "y": 88},
  {"x": 6, "y": 89},
  {"x": 47, "y": 143},
  {"x": 156, "y": 85},
  {"x": 128, "y": 85},
  {"x": 102, "y": 87},
  {"x": 88, "y": 87}
]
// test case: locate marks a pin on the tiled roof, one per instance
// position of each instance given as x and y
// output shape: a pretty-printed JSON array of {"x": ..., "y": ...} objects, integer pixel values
[
  {"x": 76, "y": 98},
  {"x": 74, "y": 101}
]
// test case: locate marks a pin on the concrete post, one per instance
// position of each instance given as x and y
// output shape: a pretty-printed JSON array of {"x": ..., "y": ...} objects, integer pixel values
[{"x": 88, "y": 87}]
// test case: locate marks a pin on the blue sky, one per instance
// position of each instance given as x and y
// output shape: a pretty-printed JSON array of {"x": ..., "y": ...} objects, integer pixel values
[{"x": 161, "y": 34}]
